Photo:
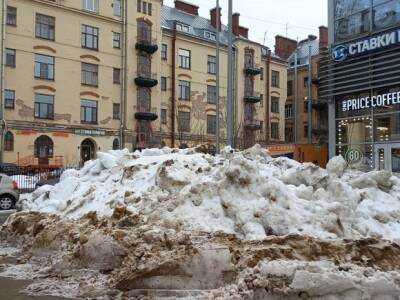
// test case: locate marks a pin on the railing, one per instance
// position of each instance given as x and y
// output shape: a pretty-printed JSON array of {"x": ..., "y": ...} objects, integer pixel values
[
  {"x": 146, "y": 74},
  {"x": 252, "y": 94},
  {"x": 252, "y": 66},
  {"x": 142, "y": 108},
  {"x": 146, "y": 41},
  {"x": 252, "y": 122}
]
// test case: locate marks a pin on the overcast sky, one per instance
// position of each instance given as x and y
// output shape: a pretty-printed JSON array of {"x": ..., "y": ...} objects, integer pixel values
[{"x": 269, "y": 17}]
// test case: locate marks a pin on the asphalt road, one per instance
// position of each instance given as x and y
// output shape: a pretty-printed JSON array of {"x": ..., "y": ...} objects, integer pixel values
[{"x": 4, "y": 215}]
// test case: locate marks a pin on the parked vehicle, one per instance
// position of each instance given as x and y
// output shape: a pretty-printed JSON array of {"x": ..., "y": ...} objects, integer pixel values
[
  {"x": 9, "y": 169},
  {"x": 9, "y": 194}
]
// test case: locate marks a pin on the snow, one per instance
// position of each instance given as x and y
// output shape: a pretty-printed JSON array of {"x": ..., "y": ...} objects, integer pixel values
[{"x": 247, "y": 193}]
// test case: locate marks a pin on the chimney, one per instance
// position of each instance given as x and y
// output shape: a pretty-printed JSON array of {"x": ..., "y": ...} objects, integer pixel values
[
  {"x": 214, "y": 16},
  {"x": 187, "y": 7},
  {"x": 284, "y": 47},
  {"x": 323, "y": 37},
  {"x": 235, "y": 24},
  {"x": 236, "y": 28}
]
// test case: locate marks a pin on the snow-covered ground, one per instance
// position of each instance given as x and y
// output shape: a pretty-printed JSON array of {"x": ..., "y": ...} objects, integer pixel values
[{"x": 241, "y": 225}]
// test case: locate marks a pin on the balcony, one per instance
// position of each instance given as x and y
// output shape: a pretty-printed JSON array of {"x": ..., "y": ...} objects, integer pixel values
[
  {"x": 144, "y": 114},
  {"x": 252, "y": 97},
  {"x": 147, "y": 45},
  {"x": 252, "y": 124},
  {"x": 252, "y": 69},
  {"x": 319, "y": 105},
  {"x": 146, "y": 79}
]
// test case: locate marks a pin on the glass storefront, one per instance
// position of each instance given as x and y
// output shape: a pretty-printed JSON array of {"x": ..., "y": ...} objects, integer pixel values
[
  {"x": 354, "y": 18},
  {"x": 369, "y": 138}
]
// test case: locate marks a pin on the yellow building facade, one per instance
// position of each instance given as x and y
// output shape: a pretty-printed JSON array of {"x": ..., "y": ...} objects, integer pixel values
[{"x": 87, "y": 76}]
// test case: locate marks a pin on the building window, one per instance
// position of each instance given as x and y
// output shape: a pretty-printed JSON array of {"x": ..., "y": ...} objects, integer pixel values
[
  {"x": 248, "y": 86},
  {"x": 163, "y": 116},
  {"x": 249, "y": 58},
  {"x": 43, "y": 148},
  {"x": 289, "y": 134},
  {"x": 305, "y": 81},
  {"x": 211, "y": 94},
  {"x": 116, "y": 40},
  {"x": 44, "y": 67},
  {"x": 184, "y": 121},
  {"x": 144, "y": 7},
  {"x": 144, "y": 32},
  {"x": 212, "y": 64},
  {"x": 116, "y": 76},
  {"x": 90, "y": 37},
  {"x": 117, "y": 8},
  {"x": 182, "y": 27},
  {"x": 275, "y": 104},
  {"x": 184, "y": 59},
  {"x": 275, "y": 79},
  {"x": 184, "y": 90},
  {"x": 116, "y": 144},
  {"x": 9, "y": 99},
  {"x": 305, "y": 130},
  {"x": 288, "y": 111},
  {"x": 90, "y": 74},
  {"x": 275, "y": 131},
  {"x": 45, "y": 27},
  {"x": 88, "y": 111},
  {"x": 11, "y": 16},
  {"x": 261, "y": 100},
  {"x": 211, "y": 124},
  {"x": 209, "y": 35},
  {"x": 164, "y": 52},
  {"x": 10, "y": 57},
  {"x": 163, "y": 83},
  {"x": 262, "y": 126},
  {"x": 9, "y": 141},
  {"x": 91, "y": 5},
  {"x": 44, "y": 106},
  {"x": 262, "y": 74},
  {"x": 116, "y": 111},
  {"x": 290, "y": 88},
  {"x": 144, "y": 100},
  {"x": 305, "y": 106}
]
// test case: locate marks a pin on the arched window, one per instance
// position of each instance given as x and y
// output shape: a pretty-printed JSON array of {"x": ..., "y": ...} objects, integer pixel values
[
  {"x": 44, "y": 147},
  {"x": 144, "y": 32},
  {"x": 143, "y": 100},
  {"x": 115, "y": 144},
  {"x": 9, "y": 142}
]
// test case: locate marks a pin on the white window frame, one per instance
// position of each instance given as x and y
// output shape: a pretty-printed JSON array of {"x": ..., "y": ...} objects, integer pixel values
[{"x": 91, "y": 5}]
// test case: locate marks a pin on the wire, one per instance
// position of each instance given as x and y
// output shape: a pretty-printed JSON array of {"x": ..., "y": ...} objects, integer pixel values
[{"x": 278, "y": 23}]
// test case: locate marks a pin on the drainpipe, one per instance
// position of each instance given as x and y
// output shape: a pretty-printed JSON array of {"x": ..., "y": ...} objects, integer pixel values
[
  {"x": 267, "y": 97},
  {"x": 2, "y": 84},
  {"x": 173, "y": 102},
  {"x": 124, "y": 74},
  {"x": 309, "y": 96}
]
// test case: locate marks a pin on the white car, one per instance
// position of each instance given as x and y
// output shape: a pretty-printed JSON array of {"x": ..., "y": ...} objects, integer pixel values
[{"x": 9, "y": 194}]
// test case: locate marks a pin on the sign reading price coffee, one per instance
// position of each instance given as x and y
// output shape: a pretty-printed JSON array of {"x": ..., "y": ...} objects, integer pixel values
[{"x": 374, "y": 101}]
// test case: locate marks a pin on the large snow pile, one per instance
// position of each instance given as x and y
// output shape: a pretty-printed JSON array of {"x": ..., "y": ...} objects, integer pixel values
[{"x": 246, "y": 193}]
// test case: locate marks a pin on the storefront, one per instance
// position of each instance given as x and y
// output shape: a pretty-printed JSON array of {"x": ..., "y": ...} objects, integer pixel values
[{"x": 360, "y": 80}]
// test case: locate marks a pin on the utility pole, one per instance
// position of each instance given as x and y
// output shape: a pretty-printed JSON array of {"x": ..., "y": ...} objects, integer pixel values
[
  {"x": 309, "y": 96},
  {"x": 217, "y": 118},
  {"x": 2, "y": 79},
  {"x": 230, "y": 79}
]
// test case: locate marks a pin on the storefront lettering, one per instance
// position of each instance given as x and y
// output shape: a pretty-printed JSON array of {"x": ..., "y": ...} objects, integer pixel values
[
  {"x": 369, "y": 102},
  {"x": 374, "y": 43}
]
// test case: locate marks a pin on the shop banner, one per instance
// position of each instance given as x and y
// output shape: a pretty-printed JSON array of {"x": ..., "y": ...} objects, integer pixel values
[{"x": 374, "y": 101}]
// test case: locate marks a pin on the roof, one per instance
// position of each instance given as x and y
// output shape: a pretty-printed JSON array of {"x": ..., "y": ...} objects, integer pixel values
[
  {"x": 198, "y": 25},
  {"x": 303, "y": 52}
]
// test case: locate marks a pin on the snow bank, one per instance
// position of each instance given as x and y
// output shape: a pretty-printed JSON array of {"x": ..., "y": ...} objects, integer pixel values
[{"x": 247, "y": 193}]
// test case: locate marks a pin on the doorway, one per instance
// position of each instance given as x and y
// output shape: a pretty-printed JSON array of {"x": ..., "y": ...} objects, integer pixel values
[
  {"x": 88, "y": 150},
  {"x": 387, "y": 157},
  {"x": 43, "y": 149}
]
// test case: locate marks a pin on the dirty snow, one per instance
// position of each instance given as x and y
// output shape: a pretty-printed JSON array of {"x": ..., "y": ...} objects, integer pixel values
[{"x": 246, "y": 193}]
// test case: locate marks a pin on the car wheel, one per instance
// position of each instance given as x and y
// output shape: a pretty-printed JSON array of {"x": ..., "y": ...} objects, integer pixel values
[{"x": 6, "y": 202}]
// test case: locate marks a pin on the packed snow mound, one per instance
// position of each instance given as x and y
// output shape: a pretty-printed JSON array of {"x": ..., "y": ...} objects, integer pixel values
[{"x": 246, "y": 193}]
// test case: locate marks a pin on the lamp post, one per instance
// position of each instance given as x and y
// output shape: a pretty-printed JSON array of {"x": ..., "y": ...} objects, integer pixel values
[{"x": 230, "y": 79}]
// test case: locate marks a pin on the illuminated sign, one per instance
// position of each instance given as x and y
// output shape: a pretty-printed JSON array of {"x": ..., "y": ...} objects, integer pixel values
[
  {"x": 365, "y": 46},
  {"x": 374, "y": 101}
]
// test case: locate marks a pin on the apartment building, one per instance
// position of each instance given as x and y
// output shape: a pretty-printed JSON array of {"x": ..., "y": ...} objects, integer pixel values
[
  {"x": 87, "y": 76},
  {"x": 297, "y": 123}
]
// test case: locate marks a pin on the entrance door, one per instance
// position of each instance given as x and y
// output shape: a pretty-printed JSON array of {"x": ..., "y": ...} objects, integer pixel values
[
  {"x": 87, "y": 150},
  {"x": 387, "y": 157}
]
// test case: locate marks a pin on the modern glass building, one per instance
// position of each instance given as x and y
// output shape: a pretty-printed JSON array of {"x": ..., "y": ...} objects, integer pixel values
[{"x": 360, "y": 79}]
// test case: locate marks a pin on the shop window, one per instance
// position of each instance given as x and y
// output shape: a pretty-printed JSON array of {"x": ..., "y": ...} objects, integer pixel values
[{"x": 9, "y": 141}]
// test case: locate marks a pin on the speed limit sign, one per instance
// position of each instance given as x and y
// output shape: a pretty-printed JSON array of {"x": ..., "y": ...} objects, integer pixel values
[{"x": 354, "y": 156}]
